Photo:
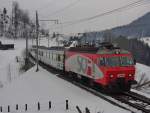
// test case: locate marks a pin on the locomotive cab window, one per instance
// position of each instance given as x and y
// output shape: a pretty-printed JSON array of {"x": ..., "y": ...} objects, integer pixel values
[
  {"x": 126, "y": 61},
  {"x": 119, "y": 61},
  {"x": 101, "y": 61},
  {"x": 113, "y": 61}
]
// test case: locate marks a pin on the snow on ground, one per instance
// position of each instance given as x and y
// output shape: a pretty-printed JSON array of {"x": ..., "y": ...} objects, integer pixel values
[
  {"x": 143, "y": 75},
  {"x": 43, "y": 86},
  {"x": 9, "y": 69},
  {"x": 142, "y": 69},
  {"x": 141, "y": 93}
]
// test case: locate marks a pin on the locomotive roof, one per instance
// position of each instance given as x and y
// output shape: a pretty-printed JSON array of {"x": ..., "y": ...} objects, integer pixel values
[
  {"x": 104, "y": 48},
  {"x": 98, "y": 50}
]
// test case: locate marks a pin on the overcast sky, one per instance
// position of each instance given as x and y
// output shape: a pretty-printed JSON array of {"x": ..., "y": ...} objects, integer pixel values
[{"x": 69, "y": 10}]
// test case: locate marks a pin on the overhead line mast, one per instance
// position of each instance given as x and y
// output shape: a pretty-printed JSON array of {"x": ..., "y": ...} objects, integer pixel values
[{"x": 37, "y": 35}]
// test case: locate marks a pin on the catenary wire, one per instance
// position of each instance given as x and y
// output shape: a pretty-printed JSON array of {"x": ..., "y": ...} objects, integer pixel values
[
  {"x": 127, "y": 7},
  {"x": 108, "y": 12},
  {"x": 64, "y": 8}
]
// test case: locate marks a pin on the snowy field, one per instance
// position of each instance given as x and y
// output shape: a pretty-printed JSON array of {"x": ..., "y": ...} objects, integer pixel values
[
  {"x": 143, "y": 71},
  {"x": 32, "y": 87},
  {"x": 9, "y": 69}
]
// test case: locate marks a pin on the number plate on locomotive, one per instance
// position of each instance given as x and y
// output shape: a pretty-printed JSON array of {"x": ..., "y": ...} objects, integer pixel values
[{"x": 121, "y": 75}]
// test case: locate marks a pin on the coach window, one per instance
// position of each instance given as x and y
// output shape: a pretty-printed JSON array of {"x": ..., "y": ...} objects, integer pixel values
[
  {"x": 52, "y": 56},
  {"x": 46, "y": 54},
  {"x": 35, "y": 52},
  {"x": 49, "y": 55},
  {"x": 58, "y": 57},
  {"x": 55, "y": 57},
  {"x": 61, "y": 58}
]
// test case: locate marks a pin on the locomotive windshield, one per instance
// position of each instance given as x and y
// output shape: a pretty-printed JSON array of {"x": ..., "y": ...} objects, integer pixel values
[
  {"x": 127, "y": 61},
  {"x": 112, "y": 61},
  {"x": 116, "y": 61}
]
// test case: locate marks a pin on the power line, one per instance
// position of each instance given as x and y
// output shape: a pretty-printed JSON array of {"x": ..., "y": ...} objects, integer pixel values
[
  {"x": 120, "y": 9},
  {"x": 106, "y": 13},
  {"x": 126, "y": 7},
  {"x": 59, "y": 10},
  {"x": 65, "y": 8}
]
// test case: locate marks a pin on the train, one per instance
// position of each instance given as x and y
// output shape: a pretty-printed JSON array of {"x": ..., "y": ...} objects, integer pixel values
[{"x": 106, "y": 66}]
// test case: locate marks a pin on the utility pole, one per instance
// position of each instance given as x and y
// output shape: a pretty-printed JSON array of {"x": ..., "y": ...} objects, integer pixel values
[
  {"x": 37, "y": 35},
  {"x": 26, "y": 37},
  {"x": 48, "y": 40},
  {"x": 4, "y": 16}
]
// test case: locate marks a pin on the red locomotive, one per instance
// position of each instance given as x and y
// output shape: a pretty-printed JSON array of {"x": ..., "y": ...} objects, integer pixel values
[{"x": 107, "y": 66}]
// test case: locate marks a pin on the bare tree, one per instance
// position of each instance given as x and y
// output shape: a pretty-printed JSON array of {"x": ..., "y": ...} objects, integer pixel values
[
  {"x": 15, "y": 17},
  {"x": 3, "y": 21}
]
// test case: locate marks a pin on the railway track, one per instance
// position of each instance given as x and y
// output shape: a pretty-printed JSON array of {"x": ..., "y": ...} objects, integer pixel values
[{"x": 137, "y": 101}]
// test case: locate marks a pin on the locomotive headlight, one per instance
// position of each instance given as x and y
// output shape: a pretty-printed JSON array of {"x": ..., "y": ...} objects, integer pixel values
[
  {"x": 130, "y": 75},
  {"x": 111, "y": 76}
]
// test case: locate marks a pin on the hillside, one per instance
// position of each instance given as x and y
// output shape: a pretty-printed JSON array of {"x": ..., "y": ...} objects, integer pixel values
[{"x": 137, "y": 28}]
